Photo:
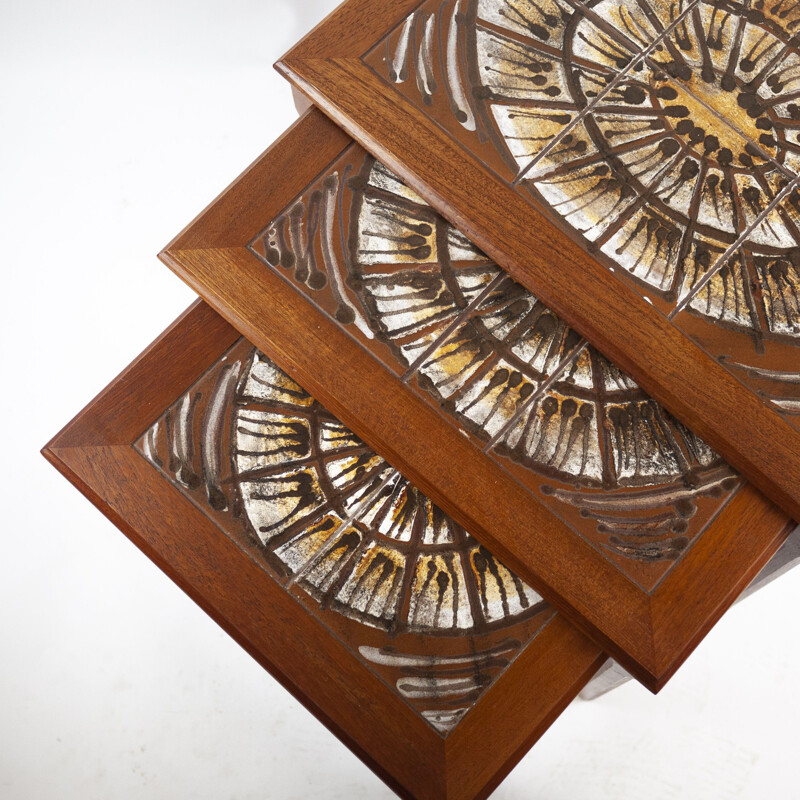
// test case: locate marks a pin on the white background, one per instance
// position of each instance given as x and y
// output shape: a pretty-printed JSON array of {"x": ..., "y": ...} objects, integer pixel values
[{"x": 119, "y": 122}]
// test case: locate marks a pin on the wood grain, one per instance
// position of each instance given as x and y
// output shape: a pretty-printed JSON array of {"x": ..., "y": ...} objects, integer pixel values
[{"x": 94, "y": 452}]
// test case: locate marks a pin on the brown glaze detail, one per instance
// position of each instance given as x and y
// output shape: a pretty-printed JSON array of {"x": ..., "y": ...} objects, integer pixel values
[
  {"x": 479, "y": 347},
  {"x": 400, "y": 426},
  {"x": 94, "y": 452},
  {"x": 397, "y": 581}
]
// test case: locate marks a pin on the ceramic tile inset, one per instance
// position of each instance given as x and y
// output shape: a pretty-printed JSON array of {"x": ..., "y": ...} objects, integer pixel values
[
  {"x": 511, "y": 77},
  {"x": 664, "y": 137},
  {"x": 635, "y": 480},
  {"x": 499, "y": 356},
  {"x": 428, "y": 609},
  {"x": 517, "y": 381}
]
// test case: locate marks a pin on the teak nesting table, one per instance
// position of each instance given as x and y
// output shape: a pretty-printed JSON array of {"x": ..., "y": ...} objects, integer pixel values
[
  {"x": 381, "y": 453},
  {"x": 324, "y": 562}
]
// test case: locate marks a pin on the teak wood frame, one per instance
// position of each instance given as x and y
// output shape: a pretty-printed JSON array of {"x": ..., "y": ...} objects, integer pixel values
[
  {"x": 95, "y": 452},
  {"x": 650, "y": 634},
  {"x": 327, "y": 66}
]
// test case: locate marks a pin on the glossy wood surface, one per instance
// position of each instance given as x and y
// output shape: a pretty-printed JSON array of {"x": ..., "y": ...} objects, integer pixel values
[{"x": 95, "y": 453}]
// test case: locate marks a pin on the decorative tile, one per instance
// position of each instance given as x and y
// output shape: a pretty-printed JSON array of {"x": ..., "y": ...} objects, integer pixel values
[
  {"x": 615, "y": 465},
  {"x": 664, "y": 137},
  {"x": 517, "y": 381},
  {"x": 426, "y": 607},
  {"x": 511, "y": 77}
]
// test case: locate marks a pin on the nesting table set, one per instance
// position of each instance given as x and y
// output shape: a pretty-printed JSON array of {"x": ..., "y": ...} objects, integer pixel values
[{"x": 496, "y": 371}]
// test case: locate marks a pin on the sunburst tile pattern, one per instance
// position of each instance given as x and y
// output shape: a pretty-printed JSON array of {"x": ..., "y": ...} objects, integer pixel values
[
  {"x": 405, "y": 587},
  {"x": 662, "y": 136},
  {"x": 517, "y": 381}
]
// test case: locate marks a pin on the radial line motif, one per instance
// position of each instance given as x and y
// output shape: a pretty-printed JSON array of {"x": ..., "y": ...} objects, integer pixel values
[
  {"x": 615, "y": 466},
  {"x": 408, "y": 589},
  {"x": 618, "y": 78},
  {"x": 722, "y": 261},
  {"x": 664, "y": 137}
]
